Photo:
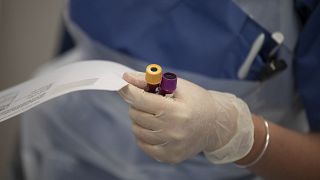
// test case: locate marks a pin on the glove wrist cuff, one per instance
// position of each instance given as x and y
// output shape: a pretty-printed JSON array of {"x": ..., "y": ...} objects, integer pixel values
[{"x": 241, "y": 143}]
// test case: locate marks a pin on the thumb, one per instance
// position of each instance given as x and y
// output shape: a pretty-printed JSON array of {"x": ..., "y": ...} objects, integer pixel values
[{"x": 135, "y": 78}]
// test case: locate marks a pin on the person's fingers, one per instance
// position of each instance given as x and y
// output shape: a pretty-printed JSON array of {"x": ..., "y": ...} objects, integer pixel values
[
  {"x": 184, "y": 87},
  {"x": 145, "y": 120},
  {"x": 186, "y": 90},
  {"x": 147, "y": 102},
  {"x": 135, "y": 78},
  {"x": 153, "y": 150},
  {"x": 148, "y": 136}
]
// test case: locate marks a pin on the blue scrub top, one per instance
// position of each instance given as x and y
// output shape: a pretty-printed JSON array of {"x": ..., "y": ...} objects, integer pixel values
[
  {"x": 307, "y": 62},
  {"x": 207, "y": 37}
]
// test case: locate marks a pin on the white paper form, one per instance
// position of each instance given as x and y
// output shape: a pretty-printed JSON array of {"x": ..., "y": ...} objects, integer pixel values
[{"x": 84, "y": 75}]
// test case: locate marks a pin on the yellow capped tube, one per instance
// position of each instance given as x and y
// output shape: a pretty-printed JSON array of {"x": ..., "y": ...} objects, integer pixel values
[{"x": 153, "y": 77}]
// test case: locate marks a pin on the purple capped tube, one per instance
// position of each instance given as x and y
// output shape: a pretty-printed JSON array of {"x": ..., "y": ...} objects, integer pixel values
[{"x": 168, "y": 83}]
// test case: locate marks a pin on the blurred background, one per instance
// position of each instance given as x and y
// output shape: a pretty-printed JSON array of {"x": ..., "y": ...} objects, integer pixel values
[{"x": 30, "y": 33}]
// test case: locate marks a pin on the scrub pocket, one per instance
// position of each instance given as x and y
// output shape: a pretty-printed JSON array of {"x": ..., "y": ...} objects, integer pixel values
[{"x": 249, "y": 33}]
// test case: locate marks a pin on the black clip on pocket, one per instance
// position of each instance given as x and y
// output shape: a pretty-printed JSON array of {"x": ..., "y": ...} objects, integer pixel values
[
  {"x": 273, "y": 65},
  {"x": 272, "y": 68}
]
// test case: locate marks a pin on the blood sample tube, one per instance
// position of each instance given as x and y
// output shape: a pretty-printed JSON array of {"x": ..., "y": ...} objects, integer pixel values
[
  {"x": 153, "y": 77},
  {"x": 168, "y": 84}
]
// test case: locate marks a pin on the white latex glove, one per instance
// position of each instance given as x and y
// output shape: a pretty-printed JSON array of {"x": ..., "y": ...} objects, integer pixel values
[{"x": 194, "y": 120}]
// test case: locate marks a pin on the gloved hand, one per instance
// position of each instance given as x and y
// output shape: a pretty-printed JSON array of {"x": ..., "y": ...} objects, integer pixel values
[{"x": 194, "y": 120}]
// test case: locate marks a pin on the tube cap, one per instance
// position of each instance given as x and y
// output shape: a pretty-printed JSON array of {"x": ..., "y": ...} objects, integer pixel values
[
  {"x": 169, "y": 82},
  {"x": 153, "y": 74}
]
